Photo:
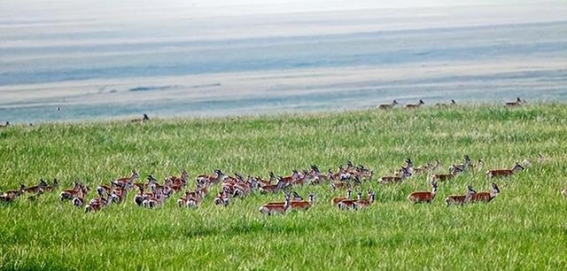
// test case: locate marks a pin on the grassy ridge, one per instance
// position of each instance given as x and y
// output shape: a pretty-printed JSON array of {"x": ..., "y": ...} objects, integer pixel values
[{"x": 524, "y": 228}]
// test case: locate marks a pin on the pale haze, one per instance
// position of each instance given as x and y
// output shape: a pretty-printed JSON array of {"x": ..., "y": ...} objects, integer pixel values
[{"x": 115, "y": 59}]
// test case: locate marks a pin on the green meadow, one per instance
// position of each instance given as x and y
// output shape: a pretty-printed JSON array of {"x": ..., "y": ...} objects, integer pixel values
[{"x": 523, "y": 228}]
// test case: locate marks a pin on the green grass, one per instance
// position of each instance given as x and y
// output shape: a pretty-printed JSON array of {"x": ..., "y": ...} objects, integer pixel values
[{"x": 524, "y": 228}]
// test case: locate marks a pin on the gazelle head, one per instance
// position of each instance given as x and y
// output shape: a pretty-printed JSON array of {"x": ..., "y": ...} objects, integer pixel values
[
  {"x": 421, "y": 102},
  {"x": 395, "y": 102},
  {"x": 495, "y": 189},
  {"x": 146, "y": 117},
  {"x": 517, "y": 167},
  {"x": 311, "y": 197},
  {"x": 433, "y": 187}
]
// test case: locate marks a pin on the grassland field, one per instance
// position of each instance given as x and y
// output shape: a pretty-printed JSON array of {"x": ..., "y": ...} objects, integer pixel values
[{"x": 524, "y": 228}]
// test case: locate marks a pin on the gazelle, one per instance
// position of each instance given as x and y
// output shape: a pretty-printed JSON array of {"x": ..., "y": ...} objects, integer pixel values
[
  {"x": 68, "y": 194},
  {"x": 517, "y": 102},
  {"x": 454, "y": 169},
  {"x": 79, "y": 197},
  {"x": 486, "y": 196},
  {"x": 422, "y": 196},
  {"x": 127, "y": 182},
  {"x": 276, "y": 207},
  {"x": 362, "y": 203},
  {"x": 222, "y": 198},
  {"x": 499, "y": 173},
  {"x": 211, "y": 179},
  {"x": 336, "y": 200},
  {"x": 461, "y": 199},
  {"x": 446, "y": 105},
  {"x": 52, "y": 187},
  {"x": 303, "y": 204},
  {"x": 415, "y": 105},
  {"x": 5, "y": 125},
  {"x": 141, "y": 120},
  {"x": 441, "y": 177},
  {"x": 396, "y": 179},
  {"x": 388, "y": 106},
  {"x": 37, "y": 188},
  {"x": 350, "y": 203}
]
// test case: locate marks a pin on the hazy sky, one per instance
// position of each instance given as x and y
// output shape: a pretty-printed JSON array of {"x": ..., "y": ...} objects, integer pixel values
[{"x": 31, "y": 10}]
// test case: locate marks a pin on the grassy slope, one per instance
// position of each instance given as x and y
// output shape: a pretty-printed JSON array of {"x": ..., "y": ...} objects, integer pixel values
[{"x": 524, "y": 228}]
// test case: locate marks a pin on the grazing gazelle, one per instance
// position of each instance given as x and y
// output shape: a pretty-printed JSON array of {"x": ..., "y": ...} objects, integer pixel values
[
  {"x": 415, "y": 105},
  {"x": 276, "y": 207},
  {"x": 37, "y": 188},
  {"x": 461, "y": 199},
  {"x": 388, "y": 106},
  {"x": 141, "y": 120},
  {"x": 499, "y": 173},
  {"x": 422, "y": 196},
  {"x": 486, "y": 196},
  {"x": 4, "y": 125},
  {"x": 517, "y": 102}
]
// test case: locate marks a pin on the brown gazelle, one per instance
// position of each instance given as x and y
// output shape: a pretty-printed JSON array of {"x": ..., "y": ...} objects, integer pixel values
[
  {"x": 396, "y": 179},
  {"x": 388, "y": 106},
  {"x": 461, "y": 199},
  {"x": 517, "y": 102},
  {"x": 350, "y": 203},
  {"x": 37, "y": 188},
  {"x": 336, "y": 200},
  {"x": 127, "y": 182},
  {"x": 422, "y": 196},
  {"x": 499, "y": 173},
  {"x": 303, "y": 204},
  {"x": 441, "y": 177},
  {"x": 415, "y": 105},
  {"x": 362, "y": 203},
  {"x": 276, "y": 207},
  {"x": 486, "y": 196}
]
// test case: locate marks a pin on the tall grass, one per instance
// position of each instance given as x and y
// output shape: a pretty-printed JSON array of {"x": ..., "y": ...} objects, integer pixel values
[{"x": 523, "y": 228}]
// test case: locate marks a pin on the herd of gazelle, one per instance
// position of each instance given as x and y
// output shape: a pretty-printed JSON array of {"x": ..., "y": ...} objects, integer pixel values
[
  {"x": 515, "y": 103},
  {"x": 152, "y": 194}
]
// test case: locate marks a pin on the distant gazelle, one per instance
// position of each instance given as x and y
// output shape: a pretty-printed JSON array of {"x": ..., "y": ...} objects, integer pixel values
[
  {"x": 141, "y": 120},
  {"x": 388, "y": 106},
  {"x": 517, "y": 102},
  {"x": 415, "y": 105},
  {"x": 445, "y": 105}
]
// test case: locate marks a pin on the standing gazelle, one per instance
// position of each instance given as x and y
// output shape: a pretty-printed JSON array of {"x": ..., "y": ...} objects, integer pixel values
[
  {"x": 422, "y": 196},
  {"x": 388, "y": 106},
  {"x": 517, "y": 102},
  {"x": 276, "y": 207},
  {"x": 495, "y": 173},
  {"x": 486, "y": 196},
  {"x": 461, "y": 199},
  {"x": 415, "y": 105}
]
